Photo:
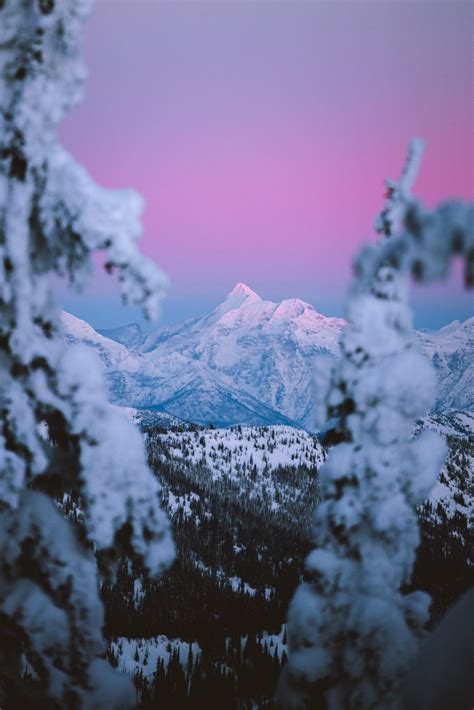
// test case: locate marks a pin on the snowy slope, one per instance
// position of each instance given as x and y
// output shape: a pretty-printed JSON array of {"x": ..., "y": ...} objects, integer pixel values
[
  {"x": 128, "y": 335},
  {"x": 170, "y": 382},
  {"x": 267, "y": 349},
  {"x": 454, "y": 490},
  {"x": 250, "y": 361},
  {"x": 250, "y": 460},
  {"x": 114, "y": 355},
  {"x": 451, "y": 350},
  {"x": 151, "y": 419},
  {"x": 242, "y": 452},
  {"x": 135, "y": 655},
  {"x": 238, "y": 449}
]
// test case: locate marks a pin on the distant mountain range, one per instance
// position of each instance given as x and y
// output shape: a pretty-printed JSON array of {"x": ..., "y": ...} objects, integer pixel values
[{"x": 249, "y": 361}]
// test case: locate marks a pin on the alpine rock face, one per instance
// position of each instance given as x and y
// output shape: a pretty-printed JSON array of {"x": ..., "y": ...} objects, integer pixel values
[
  {"x": 250, "y": 361},
  {"x": 451, "y": 351}
]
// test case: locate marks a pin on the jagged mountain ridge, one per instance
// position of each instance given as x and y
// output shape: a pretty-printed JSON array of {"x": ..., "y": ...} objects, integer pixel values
[
  {"x": 250, "y": 361},
  {"x": 170, "y": 382}
]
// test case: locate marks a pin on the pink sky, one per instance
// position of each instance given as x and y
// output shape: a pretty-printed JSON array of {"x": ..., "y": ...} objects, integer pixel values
[{"x": 260, "y": 134}]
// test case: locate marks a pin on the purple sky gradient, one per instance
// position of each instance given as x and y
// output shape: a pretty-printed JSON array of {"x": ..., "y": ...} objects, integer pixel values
[{"x": 260, "y": 134}]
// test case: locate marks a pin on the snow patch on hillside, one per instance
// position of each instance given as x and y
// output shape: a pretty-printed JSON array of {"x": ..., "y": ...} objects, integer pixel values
[
  {"x": 135, "y": 655},
  {"x": 233, "y": 451},
  {"x": 454, "y": 489}
]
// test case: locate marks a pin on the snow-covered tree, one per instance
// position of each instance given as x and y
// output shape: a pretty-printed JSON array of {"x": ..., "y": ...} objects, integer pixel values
[
  {"x": 52, "y": 218},
  {"x": 353, "y": 632}
]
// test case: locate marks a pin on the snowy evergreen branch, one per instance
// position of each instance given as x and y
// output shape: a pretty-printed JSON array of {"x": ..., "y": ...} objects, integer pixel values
[
  {"x": 52, "y": 218},
  {"x": 353, "y": 632},
  {"x": 389, "y": 221}
]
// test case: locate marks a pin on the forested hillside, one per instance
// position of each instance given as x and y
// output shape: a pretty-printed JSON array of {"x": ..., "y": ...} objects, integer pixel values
[{"x": 241, "y": 519}]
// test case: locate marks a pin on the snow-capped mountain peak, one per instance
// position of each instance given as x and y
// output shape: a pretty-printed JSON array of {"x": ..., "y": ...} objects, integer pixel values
[
  {"x": 241, "y": 290},
  {"x": 250, "y": 361},
  {"x": 292, "y": 308},
  {"x": 241, "y": 296}
]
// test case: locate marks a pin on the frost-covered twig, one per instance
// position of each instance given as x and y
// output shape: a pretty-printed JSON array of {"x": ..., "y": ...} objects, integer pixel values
[
  {"x": 353, "y": 633},
  {"x": 52, "y": 218},
  {"x": 389, "y": 221}
]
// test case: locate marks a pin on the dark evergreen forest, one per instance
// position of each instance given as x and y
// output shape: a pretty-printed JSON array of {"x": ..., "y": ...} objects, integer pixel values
[{"x": 238, "y": 563}]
